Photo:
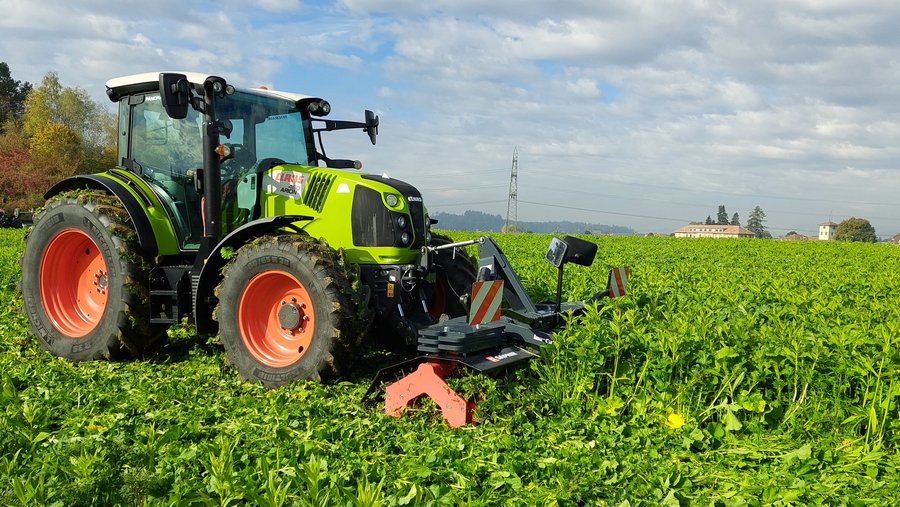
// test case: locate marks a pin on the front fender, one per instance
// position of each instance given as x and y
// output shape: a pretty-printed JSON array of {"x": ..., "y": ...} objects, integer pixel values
[{"x": 211, "y": 274}]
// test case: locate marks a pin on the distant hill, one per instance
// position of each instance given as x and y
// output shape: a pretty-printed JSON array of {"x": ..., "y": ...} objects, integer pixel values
[{"x": 478, "y": 221}]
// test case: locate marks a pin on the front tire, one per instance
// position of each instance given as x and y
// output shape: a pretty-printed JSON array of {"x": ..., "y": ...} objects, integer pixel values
[
  {"x": 83, "y": 280},
  {"x": 287, "y": 311}
]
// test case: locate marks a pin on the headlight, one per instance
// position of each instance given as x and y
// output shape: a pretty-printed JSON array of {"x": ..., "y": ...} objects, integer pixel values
[
  {"x": 401, "y": 222},
  {"x": 391, "y": 200},
  {"x": 404, "y": 238},
  {"x": 319, "y": 107}
]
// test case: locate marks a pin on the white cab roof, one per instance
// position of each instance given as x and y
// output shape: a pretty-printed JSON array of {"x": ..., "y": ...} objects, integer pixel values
[{"x": 149, "y": 79}]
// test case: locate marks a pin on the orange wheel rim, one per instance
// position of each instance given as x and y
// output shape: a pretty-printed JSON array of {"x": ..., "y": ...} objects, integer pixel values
[
  {"x": 74, "y": 283},
  {"x": 276, "y": 318}
]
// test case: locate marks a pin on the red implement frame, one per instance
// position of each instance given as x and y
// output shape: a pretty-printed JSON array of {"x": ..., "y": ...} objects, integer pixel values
[{"x": 428, "y": 380}]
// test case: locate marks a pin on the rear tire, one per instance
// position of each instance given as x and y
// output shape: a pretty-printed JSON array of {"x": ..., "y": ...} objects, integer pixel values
[
  {"x": 83, "y": 280},
  {"x": 287, "y": 311}
]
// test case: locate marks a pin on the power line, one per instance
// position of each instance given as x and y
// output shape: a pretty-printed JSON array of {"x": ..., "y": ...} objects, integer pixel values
[
  {"x": 448, "y": 205},
  {"x": 617, "y": 213},
  {"x": 764, "y": 196},
  {"x": 592, "y": 210},
  {"x": 684, "y": 189},
  {"x": 605, "y": 212},
  {"x": 445, "y": 174},
  {"x": 694, "y": 204},
  {"x": 466, "y": 189}
]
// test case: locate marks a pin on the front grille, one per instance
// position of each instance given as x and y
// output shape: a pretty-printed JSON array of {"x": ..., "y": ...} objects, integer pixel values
[
  {"x": 372, "y": 223},
  {"x": 413, "y": 200},
  {"x": 317, "y": 190}
]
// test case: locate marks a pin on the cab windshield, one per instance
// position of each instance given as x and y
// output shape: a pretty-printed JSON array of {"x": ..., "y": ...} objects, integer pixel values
[{"x": 265, "y": 127}]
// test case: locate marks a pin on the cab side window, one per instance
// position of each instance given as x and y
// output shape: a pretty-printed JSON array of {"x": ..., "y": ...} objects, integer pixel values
[
  {"x": 164, "y": 150},
  {"x": 161, "y": 144}
]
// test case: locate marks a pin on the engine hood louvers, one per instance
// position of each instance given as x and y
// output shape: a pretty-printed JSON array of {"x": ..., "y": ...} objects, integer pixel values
[{"x": 317, "y": 190}]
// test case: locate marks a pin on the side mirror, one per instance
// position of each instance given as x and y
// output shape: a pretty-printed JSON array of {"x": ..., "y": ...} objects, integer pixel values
[
  {"x": 371, "y": 125},
  {"x": 556, "y": 252},
  {"x": 568, "y": 249},
  {"x": 571, "y": 249},
  {"x": 175, "y": 91}
]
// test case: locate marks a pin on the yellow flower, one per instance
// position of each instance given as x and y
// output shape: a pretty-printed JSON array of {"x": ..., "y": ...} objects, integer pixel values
[
  {"x": 674, "y": 421},
  {"x": 95, "y": 428}
]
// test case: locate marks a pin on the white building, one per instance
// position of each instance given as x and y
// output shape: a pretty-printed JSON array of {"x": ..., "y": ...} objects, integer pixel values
[
  {"x": 826, "y": 230},
  {"x": 713, "y": 231}
]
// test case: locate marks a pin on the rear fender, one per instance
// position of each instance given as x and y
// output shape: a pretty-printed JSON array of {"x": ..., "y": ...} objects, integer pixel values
[
  {"x": 135, "y": 206},
  {"x": 211, "y": 274}
]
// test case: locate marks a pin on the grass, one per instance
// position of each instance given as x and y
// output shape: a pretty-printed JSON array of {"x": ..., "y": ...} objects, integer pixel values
[{"x": 736, "y": 372}]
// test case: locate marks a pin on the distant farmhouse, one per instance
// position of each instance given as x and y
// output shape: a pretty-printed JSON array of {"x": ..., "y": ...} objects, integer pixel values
[
  {"x": 713, "y": 231},
  {"x": 826, "y": 230}
]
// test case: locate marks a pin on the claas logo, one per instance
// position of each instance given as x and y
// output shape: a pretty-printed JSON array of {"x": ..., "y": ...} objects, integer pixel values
[{"x": 286, "y": 177}]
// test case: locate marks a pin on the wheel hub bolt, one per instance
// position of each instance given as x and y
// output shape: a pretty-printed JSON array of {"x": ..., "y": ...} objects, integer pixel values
[
  {"x": 290, "y": 316},
  {"x": 101, "y": 280}
]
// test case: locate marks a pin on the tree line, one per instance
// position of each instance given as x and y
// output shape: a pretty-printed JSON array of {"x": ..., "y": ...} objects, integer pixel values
[
  {"x": 851, "y": 229},
  {"x": 48, "y": 132},
  {"x": 756, "y": 221}
]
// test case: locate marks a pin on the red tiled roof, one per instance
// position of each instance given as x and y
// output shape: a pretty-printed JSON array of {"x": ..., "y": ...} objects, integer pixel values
[{"x": 715, "y": 229}]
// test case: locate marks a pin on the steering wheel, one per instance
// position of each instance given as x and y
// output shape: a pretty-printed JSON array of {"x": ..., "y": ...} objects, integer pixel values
[
  {"x": 243, "y": 157},
  {"x": 241, "y": 160}
]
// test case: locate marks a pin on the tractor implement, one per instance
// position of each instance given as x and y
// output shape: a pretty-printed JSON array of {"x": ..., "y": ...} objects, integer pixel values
[{"x": 504, "y": 328}]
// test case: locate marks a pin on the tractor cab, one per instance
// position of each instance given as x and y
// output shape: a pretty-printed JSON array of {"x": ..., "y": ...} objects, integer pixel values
[{"x": 257, "y": 129}]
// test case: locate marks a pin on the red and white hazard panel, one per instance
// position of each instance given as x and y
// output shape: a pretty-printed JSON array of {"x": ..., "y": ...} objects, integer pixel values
[
  {"x": 618, "y": 281},
  {"x": 486, "y": 301}
]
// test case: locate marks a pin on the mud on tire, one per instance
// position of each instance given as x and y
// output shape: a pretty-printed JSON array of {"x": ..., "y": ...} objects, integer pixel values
[
  {"x": 84, "y": 279},
  {"x": 287, "y": 311}
]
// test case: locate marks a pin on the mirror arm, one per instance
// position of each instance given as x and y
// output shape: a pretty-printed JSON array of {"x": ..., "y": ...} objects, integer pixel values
[
  {"x": 198, "y": 105},
  {"x": 338, "y": 125}
]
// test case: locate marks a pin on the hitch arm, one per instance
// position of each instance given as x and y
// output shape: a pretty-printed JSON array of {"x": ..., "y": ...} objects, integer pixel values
[{"x": 493, "y": 265}]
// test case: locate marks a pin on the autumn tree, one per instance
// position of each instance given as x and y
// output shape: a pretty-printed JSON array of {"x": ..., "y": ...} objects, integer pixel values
[
  {"x": 13, "y": 145},
  {"x": 855, "y": 229},
  {"x": 51, "y": 102},
  {"x": 756, "y": 223},
  {"x": 13, "y": 178},
  {"x": 60, "y": 132}
]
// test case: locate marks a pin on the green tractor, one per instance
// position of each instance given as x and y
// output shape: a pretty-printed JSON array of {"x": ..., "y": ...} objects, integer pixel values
[{"x": 225, "y": 209}]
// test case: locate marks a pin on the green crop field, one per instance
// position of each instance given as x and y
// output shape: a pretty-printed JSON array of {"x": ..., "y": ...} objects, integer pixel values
[{"x": 735, "y": 372}]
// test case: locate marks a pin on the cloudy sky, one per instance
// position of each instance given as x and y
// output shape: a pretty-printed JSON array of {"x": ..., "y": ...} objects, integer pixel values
[{"x": 637, "y": 113}]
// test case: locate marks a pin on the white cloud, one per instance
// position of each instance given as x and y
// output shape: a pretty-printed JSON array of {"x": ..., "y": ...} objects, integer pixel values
[
  {"x": 690, "y": 103},
  {"x": 310, "y": 56},
  {"x": 279, "y": 5},
  {"x": 583, "y": 87}
]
